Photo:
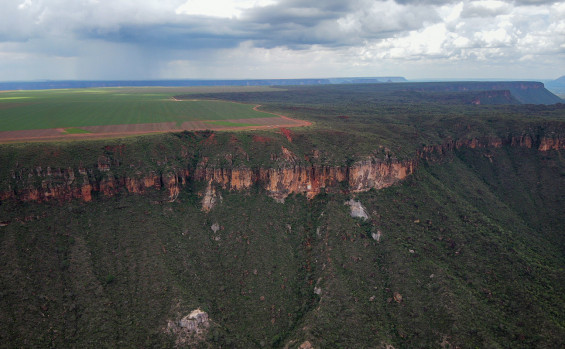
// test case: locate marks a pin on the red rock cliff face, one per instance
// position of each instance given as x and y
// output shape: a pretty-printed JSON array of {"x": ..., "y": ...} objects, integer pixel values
[
  {"x": 62, "y": 185},
  {"x": 285, "y": 178},
  {"x": 310, "y": 180}
]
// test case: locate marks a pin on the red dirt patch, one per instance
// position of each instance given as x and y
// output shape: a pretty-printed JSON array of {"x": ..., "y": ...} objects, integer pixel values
[
  {"x": 234, "y": 140},
  {"x": 261, "y": 139},
  {"x": 286, "y": 132},
  {"x": 210, "y": 140},
  {"x": 343, "y": 117}
]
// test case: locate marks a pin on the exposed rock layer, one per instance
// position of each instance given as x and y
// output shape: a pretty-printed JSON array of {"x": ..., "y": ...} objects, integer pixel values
[{"x": 46, "y": 184}]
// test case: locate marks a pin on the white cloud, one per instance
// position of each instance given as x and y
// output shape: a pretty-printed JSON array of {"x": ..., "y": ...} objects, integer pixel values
[
  {"x": 486, "y": 8},
  {"x": 24, "y": 5},
  {"x": 252, "y": 38},
  {"x": 220, "y": 8}
]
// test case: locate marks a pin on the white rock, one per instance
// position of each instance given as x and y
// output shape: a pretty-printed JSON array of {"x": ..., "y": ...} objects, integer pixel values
[
  {"x": 210, "y": 198},
  {"x": 377, "y": 236},
  {"x": 357, "y": 209},
  {"x": 190, "y": 329},
  {"x": 196, "y": 320}
]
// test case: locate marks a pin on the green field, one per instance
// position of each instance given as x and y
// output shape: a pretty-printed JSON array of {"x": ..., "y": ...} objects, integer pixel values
[{"x": 46, "y": 109}]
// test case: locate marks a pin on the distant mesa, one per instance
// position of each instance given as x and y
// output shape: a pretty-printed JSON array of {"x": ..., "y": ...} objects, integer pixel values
[
  {"x": 557, "y": 86},
  {"x": 461, "y": 92},
  {"x": 483, "y": 92},
  {"x": 62, "y": 84}
]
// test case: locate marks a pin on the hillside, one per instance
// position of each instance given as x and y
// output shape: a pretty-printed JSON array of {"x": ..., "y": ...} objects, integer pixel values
[
  {"x": 453, "y": 93},
  {"x": 219, "y": 239},
  {"x": 557, "y": 86}
]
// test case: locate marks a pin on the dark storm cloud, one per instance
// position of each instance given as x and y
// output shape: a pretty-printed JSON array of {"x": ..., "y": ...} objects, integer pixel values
[
  {"x": 289, "y": 23},
  {"x": 333, "y": 23},
  {"x": 198, "y": 34},
  {"x": 303, "y": 13},
  {"x": 350, "y": 32}
]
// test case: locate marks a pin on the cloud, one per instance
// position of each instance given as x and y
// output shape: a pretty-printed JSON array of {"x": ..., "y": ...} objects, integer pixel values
[
  {"x": 535, "y": 2},
  {"x": 351, "y": 36},
  {"x": 201, "y": 34},
  {"x": 485, "y": 8}
]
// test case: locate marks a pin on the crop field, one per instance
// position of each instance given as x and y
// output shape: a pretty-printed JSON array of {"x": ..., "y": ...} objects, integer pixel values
[{"x": 73, "y": 113}]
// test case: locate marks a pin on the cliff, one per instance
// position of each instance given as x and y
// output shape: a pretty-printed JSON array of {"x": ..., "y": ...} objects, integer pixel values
[
  {"x": 40, "y": 185},
  {"x": 285, "y": 177},
  {"x": 529, "y": 141},
  {"x": 500, "y": 92},
  {"x": 309, "y": 180},
  {"x": 494, "y": 97}
]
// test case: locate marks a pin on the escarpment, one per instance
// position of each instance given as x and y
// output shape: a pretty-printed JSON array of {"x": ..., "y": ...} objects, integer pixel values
[
  {"x": 279, "y": 179},
  {"x": 279, "y": 182},
  {"x": 42, "y": 185},
  {"x": 523, "y": 141}
]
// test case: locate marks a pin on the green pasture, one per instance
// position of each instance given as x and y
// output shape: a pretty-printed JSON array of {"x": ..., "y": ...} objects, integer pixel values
[
  {"x": 30, "y": 110},
  {"x": 74, "y": 130}
]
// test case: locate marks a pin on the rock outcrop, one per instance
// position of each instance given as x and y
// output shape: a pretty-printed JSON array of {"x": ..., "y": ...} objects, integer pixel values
[
  {"x": 40, "y": 185},
  {"x": 357, "y": 210},
  {"x": 210, "y": 198},
  {"x": 522, "y": 141},
  {"x": 284, "y": 177},
  {"x": 190, "y": 329},
  {"x": 310, "y": 180}
]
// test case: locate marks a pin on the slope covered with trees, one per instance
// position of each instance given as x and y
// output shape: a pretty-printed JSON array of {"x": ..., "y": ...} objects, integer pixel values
[{"x": 465, "y": 249}]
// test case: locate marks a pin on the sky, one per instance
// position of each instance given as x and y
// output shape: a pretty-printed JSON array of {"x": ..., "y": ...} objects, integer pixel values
[{"x": 267, "y": 39}]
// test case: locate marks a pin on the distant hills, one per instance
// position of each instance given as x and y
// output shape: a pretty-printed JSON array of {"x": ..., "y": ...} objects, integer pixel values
[
  {"x": 459, "y": 92},
  {"x": 557, "y": 86},
  {"x": 56, "y": 84},
  {"x": 495, "y": 92}
]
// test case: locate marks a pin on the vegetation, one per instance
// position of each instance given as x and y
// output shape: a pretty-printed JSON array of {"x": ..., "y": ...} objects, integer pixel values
[
  {"x": 30, "y": 110},
  {"x": 470, "y": 254},
  {"x": 75, "y": 130}
]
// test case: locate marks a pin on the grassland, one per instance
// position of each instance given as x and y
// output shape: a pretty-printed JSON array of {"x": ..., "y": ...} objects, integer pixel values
[
  {"x": 75, "y": 130},
  {"x": 76, "y": 108}
]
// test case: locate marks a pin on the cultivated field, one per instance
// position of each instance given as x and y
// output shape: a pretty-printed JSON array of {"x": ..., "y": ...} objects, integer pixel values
[{"x": 103, "y": 112}]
